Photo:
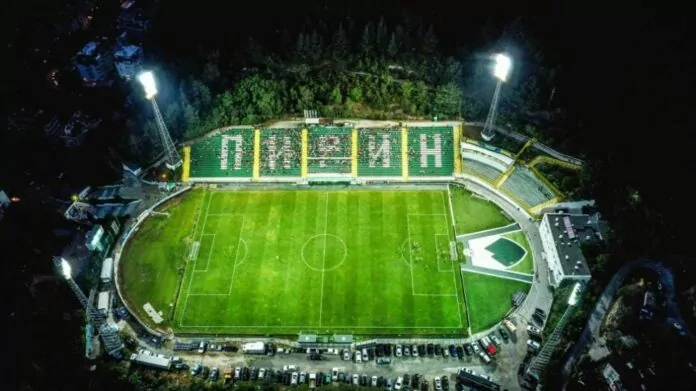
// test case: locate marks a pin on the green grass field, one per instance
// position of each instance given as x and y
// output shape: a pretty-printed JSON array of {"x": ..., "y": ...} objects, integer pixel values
[
  {"x": 526, "y": 265},
  {"x": 473, "y": 214},
  {"x": 489, "y": 298},
  {"x": 284, "y": 262}
]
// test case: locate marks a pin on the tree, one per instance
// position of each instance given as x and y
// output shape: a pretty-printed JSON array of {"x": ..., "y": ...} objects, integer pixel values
[
  {"x": 448, "y": 100},
  {"x": 430, "y": 41},
  {"x": 211, "y": 72},
  {"x": 340, "y": 45},
  {"x": 336, "y": 96},
  {"x": 316, "y": 47},
  {"x": 367, "y": 43},
  {"x": 393, "y": 48},
  {"x": 382, "y": 33},
  {"x": 355, "y": 94},
  {"x": 300, "y": 47}
]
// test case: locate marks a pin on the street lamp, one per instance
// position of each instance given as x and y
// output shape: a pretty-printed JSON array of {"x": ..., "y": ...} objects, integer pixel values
[
  {"x": 173, "y": 160},
  {"x": 503, "y": 64}
]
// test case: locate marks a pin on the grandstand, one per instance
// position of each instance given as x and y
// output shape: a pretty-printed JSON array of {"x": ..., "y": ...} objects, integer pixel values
[
  {"x": 330, "y": 150},
  {"x": 527, "y": 186},
  {"x": 322, "y": 152},
  {"x": 379, "y": 152},
  {"x": 430, "y": 151},
  {"x": 280, "y": 152},
  {"x": 229, "y": 154},
  {"x": 483, "y": 170}
]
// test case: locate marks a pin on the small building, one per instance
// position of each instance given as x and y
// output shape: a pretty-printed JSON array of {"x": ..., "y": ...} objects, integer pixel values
[
  {"x": 128, "y": 60},
  {"x": 562, "y": 236},
  {"x": 254, "y": 348},
  {"x": 95, "y": 63},
  {"x": 152, "y": 361},
  {"x": 103, "y": 302},
  {"x": 612, "y": 378},
  {"x": 133, "y": 19},
  {"x": 107, "y": 270},
  {"x": 649, "y": 300}
]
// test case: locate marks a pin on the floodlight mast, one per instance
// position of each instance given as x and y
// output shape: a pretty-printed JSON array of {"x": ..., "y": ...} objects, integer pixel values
[
  {"x": 500, "y": 72},
  {"x": 173, "y": 160}
]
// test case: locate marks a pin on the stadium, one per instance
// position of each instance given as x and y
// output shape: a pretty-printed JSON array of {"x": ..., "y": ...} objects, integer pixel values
[{"x": 360, "y": 228}]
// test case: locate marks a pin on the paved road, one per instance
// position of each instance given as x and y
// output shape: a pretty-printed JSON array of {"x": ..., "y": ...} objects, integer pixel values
[{"x": 591, "y": 331}]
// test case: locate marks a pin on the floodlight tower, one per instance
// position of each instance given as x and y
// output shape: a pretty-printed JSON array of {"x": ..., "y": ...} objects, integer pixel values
[
  {"x": 147, "y": 79},
  {"x": 501, "y": 70},
  {"x": 109, "y": 335}
]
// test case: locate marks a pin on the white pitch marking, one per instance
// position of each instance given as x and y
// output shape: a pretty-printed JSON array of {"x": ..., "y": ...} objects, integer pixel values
[
  {"x": 323, "y": 260},
  {"x": 188, "y": 289},
  {"x": 236, "y": 255}
]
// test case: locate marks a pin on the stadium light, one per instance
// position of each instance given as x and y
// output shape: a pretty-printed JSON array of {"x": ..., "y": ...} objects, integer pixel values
[
  {"x": 147, "y": 79},
  {"x": 173, "y": 160},
  {"x": 502, "y": 67},
  {"x": 503, "y": 64},
  {"x": 65, "y": 268}
]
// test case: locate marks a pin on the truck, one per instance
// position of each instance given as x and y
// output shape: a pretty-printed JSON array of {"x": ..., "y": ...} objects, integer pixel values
[
  {"x": 254, "y": 348},
  {"x": 227, "y": 374},
  {"x": 312, "y": 381}
]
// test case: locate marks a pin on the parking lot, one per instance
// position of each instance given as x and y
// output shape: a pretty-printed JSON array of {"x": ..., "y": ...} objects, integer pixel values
[{"x": 502, "y": 369}]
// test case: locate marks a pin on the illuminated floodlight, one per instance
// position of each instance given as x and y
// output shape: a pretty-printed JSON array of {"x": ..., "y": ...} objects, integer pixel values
[
  {"x": 147, "y": 79},
  {"x": 502, "y": 67},
  {"x": 574, "y": 294},
  {"x": 65, "y": 268}
]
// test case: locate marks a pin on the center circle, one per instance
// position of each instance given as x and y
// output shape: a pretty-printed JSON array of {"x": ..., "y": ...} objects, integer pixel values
[{"x": 324, "y": 252}]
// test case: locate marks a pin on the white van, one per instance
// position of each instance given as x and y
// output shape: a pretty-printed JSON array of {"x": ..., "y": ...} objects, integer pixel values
[{"x": 508, "y": 325}]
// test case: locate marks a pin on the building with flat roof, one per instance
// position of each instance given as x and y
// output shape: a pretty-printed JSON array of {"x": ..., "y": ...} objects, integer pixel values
[
  {"x": 103, "y": 302},
  {"x": 95, "y": 63},
  {"x": 562, "y": 236},
  {"x": 128, "y": 60},
  {"x": 151, "y": 360},
  {"x": 612, "y": 378}
]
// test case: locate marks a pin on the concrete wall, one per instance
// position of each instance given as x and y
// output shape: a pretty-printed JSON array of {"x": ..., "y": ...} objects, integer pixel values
[
  {"x": 485, "y": 159},
  {"x": 505, "y": 160}
]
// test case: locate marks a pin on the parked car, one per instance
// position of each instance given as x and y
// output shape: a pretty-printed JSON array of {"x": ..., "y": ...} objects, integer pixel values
[
  {"x": 421, "y": 350},
  {"x": 406, "y": 351},
  {"x": 214, "y": 374},
  {"x": 460, "y": 352},
  {"x": 346, "y": 355},
  {"x": 384, "y": 360},
  {"x": 388, "y": 349},
  {"x": 533, "y": 331},
  {"x": 452, "y": 351},
  {"x": 374, "y": 381},
  {"x": 399, "y": 383},
  {"x": 358, "y": 356},
  {"x": 438, "y": 384},
  {"x": 509, "y": 326},
  {"x": 414, "y": 350},
  {"x": 196, "y": 369},
  {"x": 398, "y": 351},
  {"x": 334, "y": 374},
  {"x": 365, "y": 355},
  {"x": 485, "y": 357},
  {"x": 445, "y": 383},
  {"x": 238, "y": 373},
  {"x": 262, "y": 374},
  {"x": 468, "y": 349},
  {"x": 303, "y": 378},
  {"x": 356, "y": 379},
  {"x": 429, "y": 349},
  {"x": 495, "y": 340},
  {"x": 503, "y": 333},
  {"x": 538, "y": 319},
  {"x": 438, "y": 350},
  {"x": 533, "y": 345},
  {"x": 294, "y": 378},
  {"x": 476, "y": 348}
]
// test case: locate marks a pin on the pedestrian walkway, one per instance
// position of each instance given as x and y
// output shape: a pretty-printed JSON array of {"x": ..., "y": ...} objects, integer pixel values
[
  {"x": 495, "y": 231},
  {"x": 466, "y": 267}
]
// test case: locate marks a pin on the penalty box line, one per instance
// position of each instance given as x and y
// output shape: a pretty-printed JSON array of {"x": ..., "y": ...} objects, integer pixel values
[{"x": 193, "y": 267}]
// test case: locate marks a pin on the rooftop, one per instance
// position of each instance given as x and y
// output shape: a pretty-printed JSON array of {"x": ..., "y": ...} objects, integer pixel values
[
  {"x": 570, "y": 232},
  {"x": 152, "y": 361},
  {"x": 90, "y": 49},
  {"x": 127, "y": 51}
]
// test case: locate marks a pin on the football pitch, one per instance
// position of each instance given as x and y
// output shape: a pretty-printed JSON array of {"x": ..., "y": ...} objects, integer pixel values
[{"x": 302, "y": 261}]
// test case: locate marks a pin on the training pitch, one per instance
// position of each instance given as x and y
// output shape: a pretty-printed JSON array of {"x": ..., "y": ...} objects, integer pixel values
[{"x": 309, "y": 261}]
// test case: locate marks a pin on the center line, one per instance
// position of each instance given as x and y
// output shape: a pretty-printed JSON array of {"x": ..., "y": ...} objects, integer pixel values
[{"x": 323, "y": 258}]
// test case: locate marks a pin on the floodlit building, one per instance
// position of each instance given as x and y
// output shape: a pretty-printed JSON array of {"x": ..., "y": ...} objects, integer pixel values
[
  {"x": 128, "y": 60},
  {"x": 612, "y": 378},
  {"x": 95, "y": 63},
  {"x": 562, "y": 236}
]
